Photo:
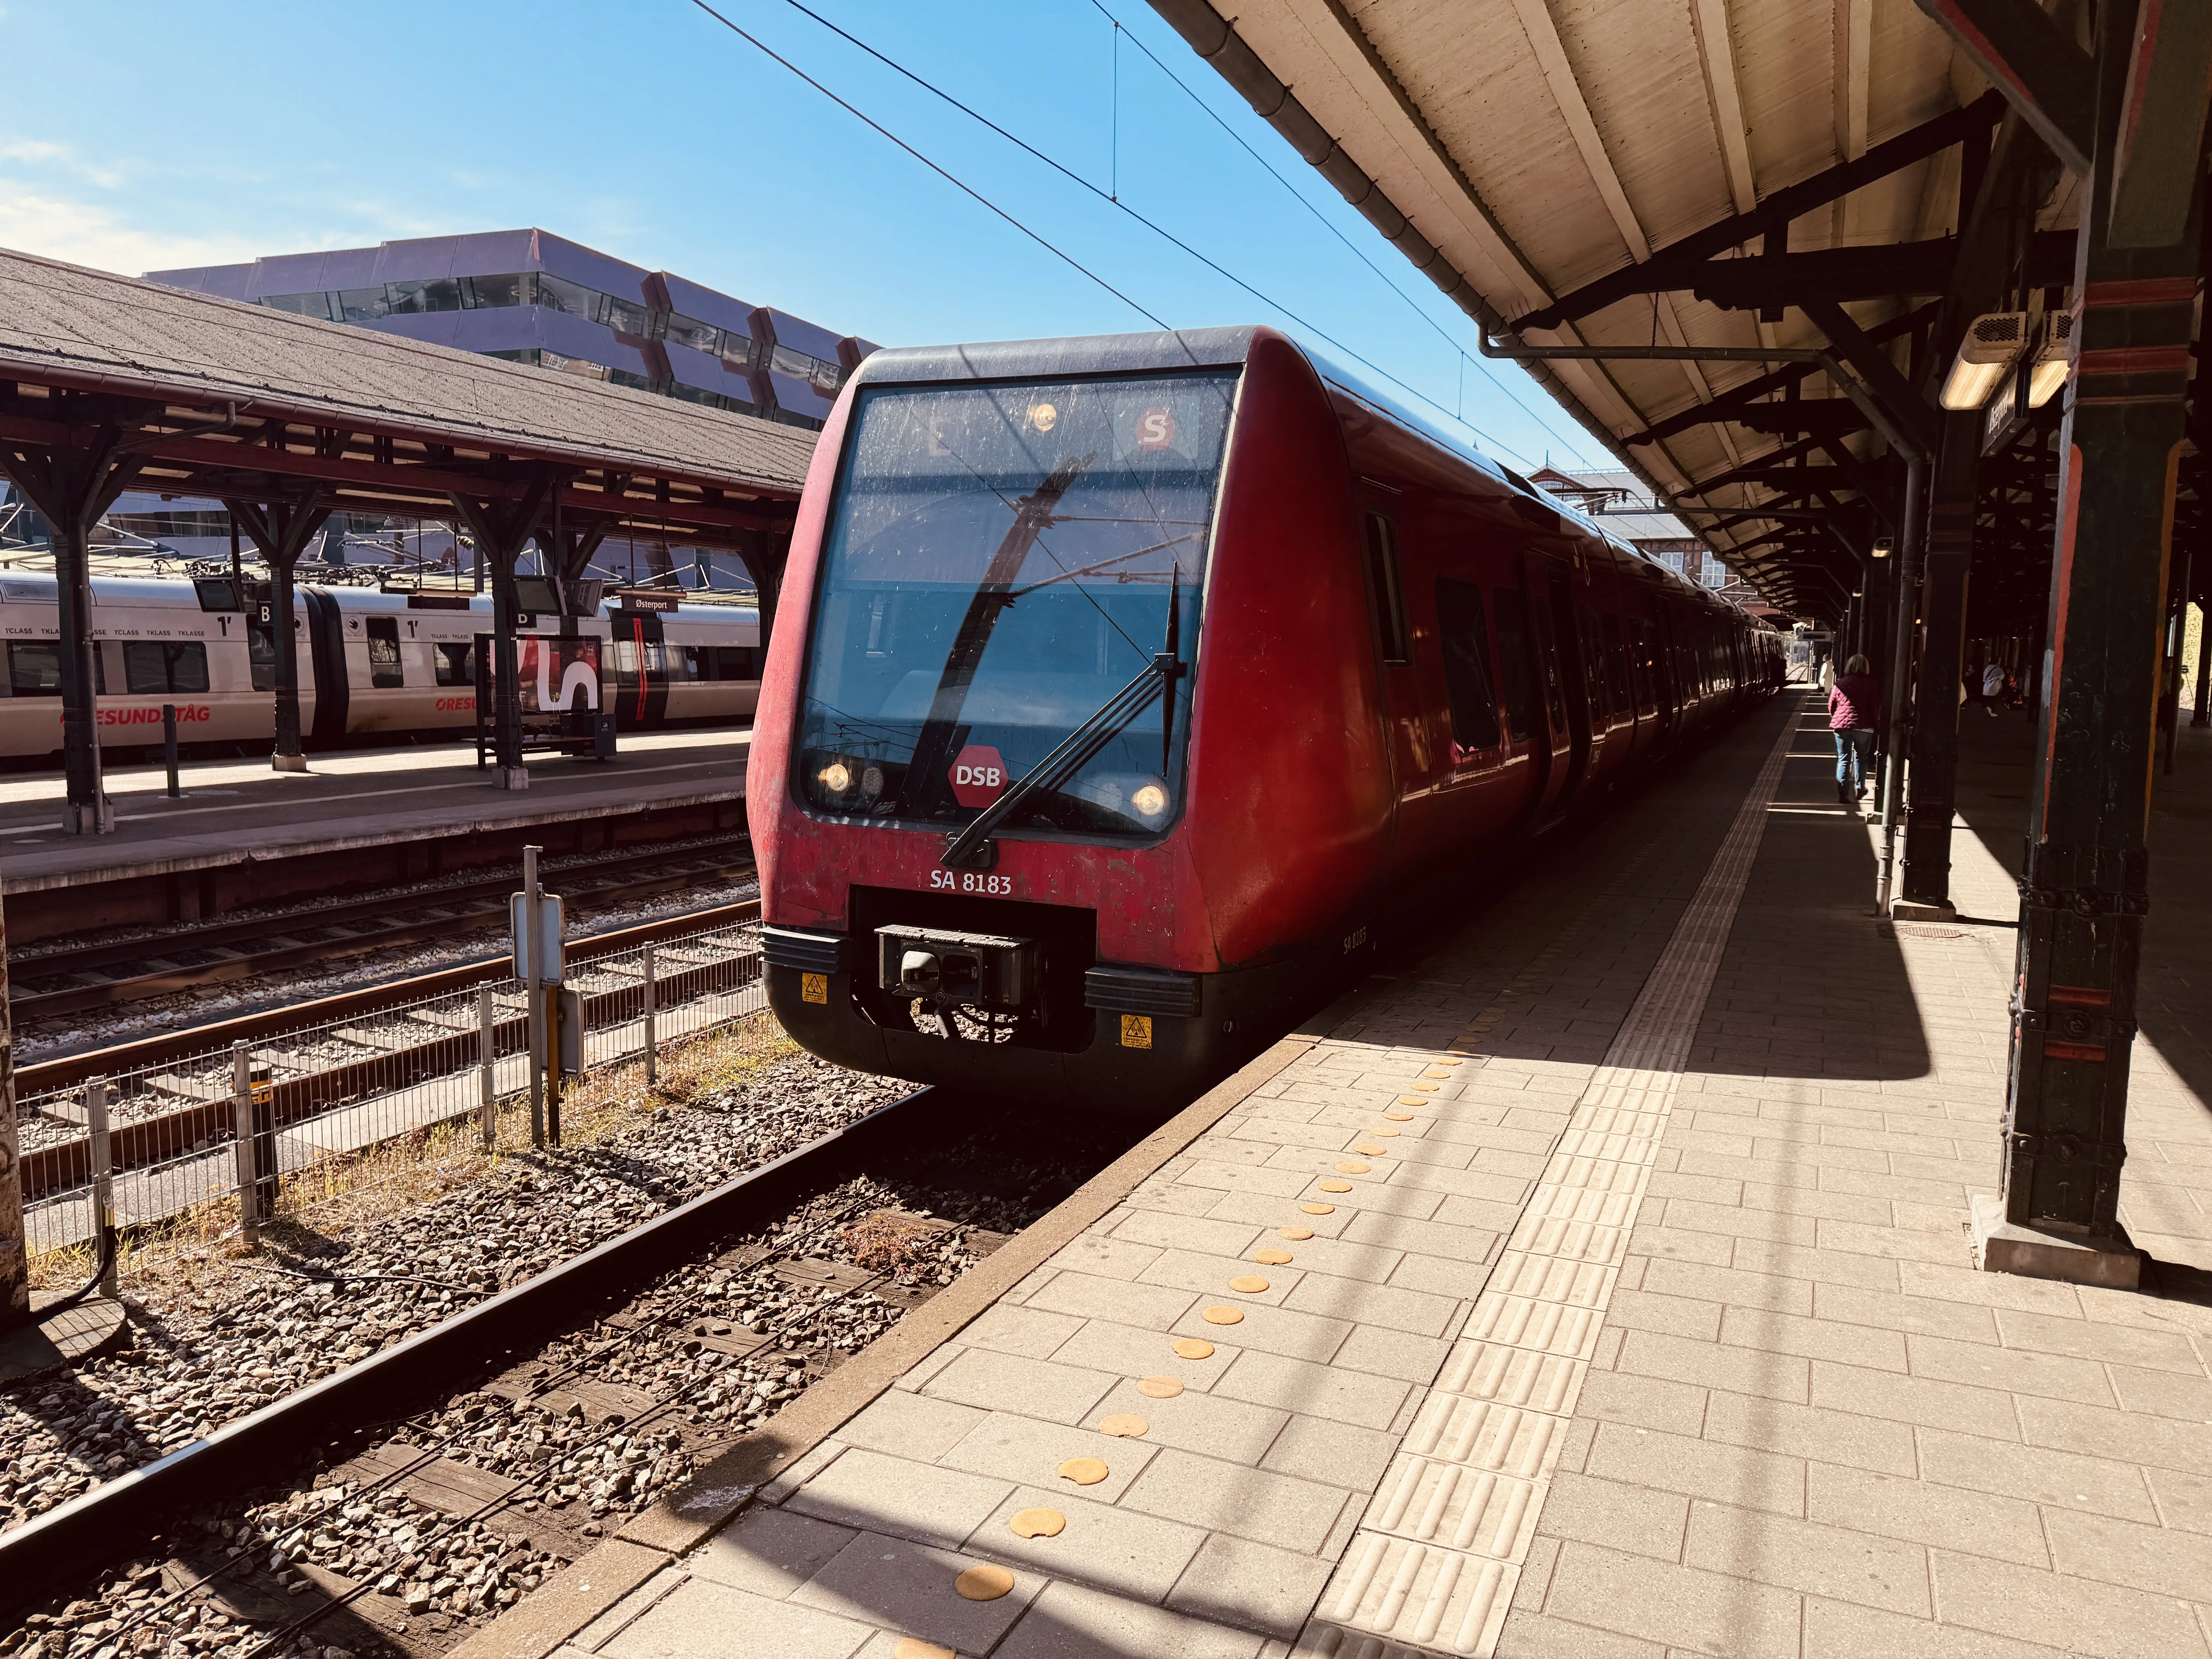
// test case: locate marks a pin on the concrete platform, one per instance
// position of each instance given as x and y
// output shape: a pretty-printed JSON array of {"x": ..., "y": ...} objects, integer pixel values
[
  {"x": 236, "y": 813},
  {"x": 1638, "y": 1316}
]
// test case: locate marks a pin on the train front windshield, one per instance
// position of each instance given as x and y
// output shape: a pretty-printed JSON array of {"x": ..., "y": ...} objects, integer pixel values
[{"x": 1004, "y": 567}]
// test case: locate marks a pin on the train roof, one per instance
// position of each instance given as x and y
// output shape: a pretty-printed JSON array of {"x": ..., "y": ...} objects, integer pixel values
[
  {"x": 37, "y": 586},
  {"x": 1168, "y": 349}
]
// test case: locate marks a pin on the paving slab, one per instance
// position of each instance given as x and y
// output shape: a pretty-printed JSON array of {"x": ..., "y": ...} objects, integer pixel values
[{"x": 1692, "y": 1357}]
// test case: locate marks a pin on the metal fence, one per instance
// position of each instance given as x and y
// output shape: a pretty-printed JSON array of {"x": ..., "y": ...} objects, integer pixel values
[{"x": 238, "y": 1123}]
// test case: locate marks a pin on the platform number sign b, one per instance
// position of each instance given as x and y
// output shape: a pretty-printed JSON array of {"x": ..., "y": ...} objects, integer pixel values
[{"x": 978, "y": 776}]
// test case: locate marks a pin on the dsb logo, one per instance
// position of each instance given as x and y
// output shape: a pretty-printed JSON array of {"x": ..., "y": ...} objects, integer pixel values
[{"x": 978, "y": 775}]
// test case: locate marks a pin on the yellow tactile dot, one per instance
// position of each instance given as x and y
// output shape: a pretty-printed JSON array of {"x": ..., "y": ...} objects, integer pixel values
[
  {"x": 1436, "y": 1071},
  {"x": 1330, "y": 1187},
  {"x": 1038, "y": 1523},
  {"x": 1193, "y": 1347},
  {"x": 1084, "y": 1471},
  {"x": 1124, "y": 1425},
  {"x": 1159, "y": 1388},
  {"x": 1247, "y": 1284},
  {"x": 1397, "y": 1116},
  {"x": 1386, "y": 1134},
  {"x": 1223, "y": 1316},
  {"x": 1370, "y": 1150},
  {"x": 1446, "y": 1060},
  {"x": 912, "y": 1647},
  {"x": 1424, "y": 1086},
  {"x": 1412, "y": 1100},
  {"x": 985, "y": 1582},
  {"x": 1294, "y": 1232},
  {"x": 1272, "y": 1258},
  {"x": 1327, "y": 1209},
  {"x": 1354, "y": 1167}
]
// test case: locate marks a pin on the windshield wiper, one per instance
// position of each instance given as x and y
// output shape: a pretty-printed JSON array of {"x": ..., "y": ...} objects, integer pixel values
[
  {"x": 971, "y": 848},
  {"x": 926, "y": 778}
]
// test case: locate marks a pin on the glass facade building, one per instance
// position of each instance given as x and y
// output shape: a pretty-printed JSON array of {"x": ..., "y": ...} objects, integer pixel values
[{"x": 529, "y": 296}]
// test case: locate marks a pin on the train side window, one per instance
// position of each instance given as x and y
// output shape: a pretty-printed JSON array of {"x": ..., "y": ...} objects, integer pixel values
[
  {"x": 33, "y": 670},
  {"x": 1616, "y": 663},
  {"x": 1593, "y": 659},
  {"x": 737, "y": 662},
  {"x": 1469, "y": 687},
  {"x": 1513, "y": 663},
  {"x": 1385, "y": 591},
  {"x": 261, "y": 655},
  {"x": 1642, "y": 662},
  {"x": 164, "y": 667},
  {"x": 457, "y": 665},
  {"x": 384, "y": 670}
]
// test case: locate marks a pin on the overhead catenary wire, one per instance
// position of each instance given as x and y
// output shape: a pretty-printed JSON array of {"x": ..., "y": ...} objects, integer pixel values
[
  {"x": 964, "y": 188},
  {"x": 1333, "y": 229},
  {"x": 1105, "y": 195}
]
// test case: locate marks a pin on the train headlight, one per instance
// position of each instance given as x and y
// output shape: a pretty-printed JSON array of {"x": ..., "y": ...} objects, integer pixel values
[
  {"x": 1149, "y": 800},
  {"x": 837, "y": 777}
]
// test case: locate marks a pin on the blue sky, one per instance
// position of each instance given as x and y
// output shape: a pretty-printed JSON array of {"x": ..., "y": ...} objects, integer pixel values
[{"x": 138, "y": 136}]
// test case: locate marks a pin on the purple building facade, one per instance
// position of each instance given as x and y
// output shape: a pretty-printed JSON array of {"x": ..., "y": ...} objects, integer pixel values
[{"x": 532, "y": 297}]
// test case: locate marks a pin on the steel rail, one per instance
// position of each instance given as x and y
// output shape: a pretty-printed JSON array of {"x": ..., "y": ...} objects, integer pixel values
[
  {"x": 113, "y": 1523},
  {"x": 29, "y": 971},
  {"x": 47, "y": 1075}
]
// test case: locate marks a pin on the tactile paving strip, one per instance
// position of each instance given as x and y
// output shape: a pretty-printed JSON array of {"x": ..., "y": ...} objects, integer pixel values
[{"x": 1433, "y": 1566}]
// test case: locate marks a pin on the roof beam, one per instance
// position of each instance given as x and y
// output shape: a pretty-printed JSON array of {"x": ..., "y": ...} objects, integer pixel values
[
  {"x": 1882, "y": 377},
  {"x": 1899, "y": 268},
  {"x": 1567, "y": 93},
  {"x": 1718, "y": 48},
  {"x": 1891, "y": 155},
  {"x": 2161, "y": 125},
  {"x": 2039, "y": 70}
]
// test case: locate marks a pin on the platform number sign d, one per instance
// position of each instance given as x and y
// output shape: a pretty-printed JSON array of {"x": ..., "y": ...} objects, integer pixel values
[{"x": 978, "y": 775}]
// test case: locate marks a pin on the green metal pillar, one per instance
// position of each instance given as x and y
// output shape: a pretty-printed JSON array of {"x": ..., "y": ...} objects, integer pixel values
[{"x": 2085, "y": 888}]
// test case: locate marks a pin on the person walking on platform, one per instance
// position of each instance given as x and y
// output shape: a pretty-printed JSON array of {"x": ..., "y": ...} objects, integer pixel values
[{"x": 1854, "y": 715}]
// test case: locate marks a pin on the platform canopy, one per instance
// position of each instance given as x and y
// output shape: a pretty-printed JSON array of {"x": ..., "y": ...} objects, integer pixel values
[
  {"x": 227, "y": 400},
  {"x": 1722, "y": 173}
]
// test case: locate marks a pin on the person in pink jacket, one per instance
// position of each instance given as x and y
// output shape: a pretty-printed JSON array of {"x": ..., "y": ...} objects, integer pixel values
[{"x": 1854, "y": 715}]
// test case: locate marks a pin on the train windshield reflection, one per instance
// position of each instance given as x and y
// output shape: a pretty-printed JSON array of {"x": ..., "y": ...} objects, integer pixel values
[{"x": 1000, "y": 561}]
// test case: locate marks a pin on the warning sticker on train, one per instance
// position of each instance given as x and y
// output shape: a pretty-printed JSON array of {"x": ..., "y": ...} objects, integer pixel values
[{"x": 978, "y": 775}]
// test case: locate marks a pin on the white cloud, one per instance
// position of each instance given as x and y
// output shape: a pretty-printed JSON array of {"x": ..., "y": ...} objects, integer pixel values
[{"x": 83, "y": 234}]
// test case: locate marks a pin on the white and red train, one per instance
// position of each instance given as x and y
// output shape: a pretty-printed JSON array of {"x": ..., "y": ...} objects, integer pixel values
[
  {"x": 987, "y": 858},
  {"x": 369, "y": 662}
]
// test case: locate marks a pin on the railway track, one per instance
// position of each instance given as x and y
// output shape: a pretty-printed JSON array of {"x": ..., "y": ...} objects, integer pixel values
[
  {"x": 74, "y": 979},
  {"x": 173, "y": 1093},
  {"x": 458, "y": 1469}
]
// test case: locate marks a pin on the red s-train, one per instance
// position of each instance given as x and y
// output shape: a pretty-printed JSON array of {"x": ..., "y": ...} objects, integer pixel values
[{"x": 1123, "y": 687}]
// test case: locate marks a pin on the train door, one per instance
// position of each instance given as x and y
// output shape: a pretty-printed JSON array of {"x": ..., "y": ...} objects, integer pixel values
[
  {"x": 1556, "y": 748},
  {"x": 641, "y": 669},
  {"x": 323, "y": 664},
  {"x": 1562, "y": 627},
  {"x": 1397, "y": 688}
]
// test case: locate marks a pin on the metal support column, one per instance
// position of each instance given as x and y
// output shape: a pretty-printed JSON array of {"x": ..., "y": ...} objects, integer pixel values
[
  {"x": 1934, "y": 752},
  {"x": 2085, "y": 888},
  {"x": 281, "y": 528},
  {"x": 14, "y": 1254},
  {"x": 487, "y": 1065},
  {"x": 501, "y": 526}
]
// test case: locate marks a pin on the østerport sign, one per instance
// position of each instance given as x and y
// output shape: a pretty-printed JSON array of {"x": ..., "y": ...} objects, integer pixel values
[{"x": 979, "y": 775}]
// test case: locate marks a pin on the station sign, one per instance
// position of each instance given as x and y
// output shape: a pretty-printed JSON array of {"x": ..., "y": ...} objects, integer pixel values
[
  {"x": 978, "y": 776},
  {"x": 657, "y": 602}
]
